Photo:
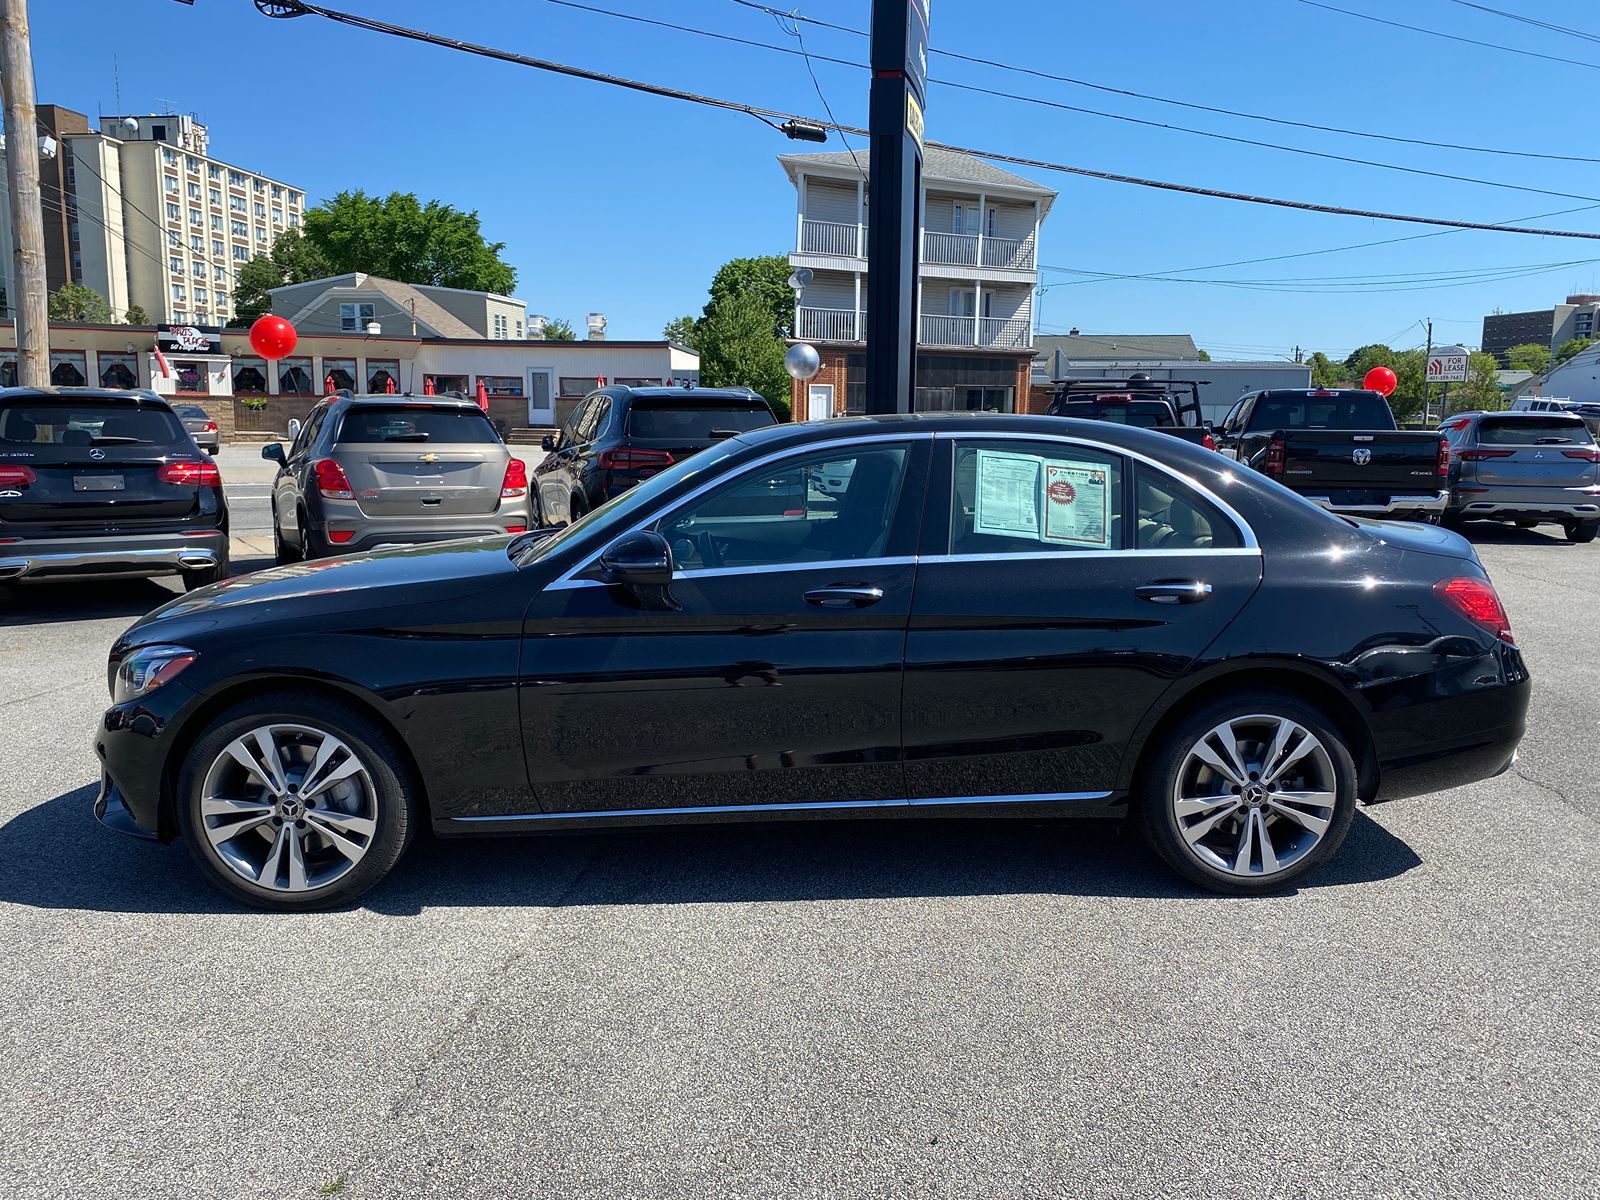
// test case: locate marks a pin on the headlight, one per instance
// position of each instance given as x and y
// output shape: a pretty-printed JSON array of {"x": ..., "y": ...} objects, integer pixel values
[{"x": 146, "y": 669}]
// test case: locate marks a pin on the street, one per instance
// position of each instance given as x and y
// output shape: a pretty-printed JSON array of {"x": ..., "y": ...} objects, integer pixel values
[{"x": 902, "y": 1009}]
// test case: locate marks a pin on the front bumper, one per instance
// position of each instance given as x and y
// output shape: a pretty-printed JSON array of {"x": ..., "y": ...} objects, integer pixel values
[
  {"x": 113, "y": 555},
  {"x": 132, "y": 743},
  {"x": 1422, "y": 502},
  {"x": 112, "y": 811}
]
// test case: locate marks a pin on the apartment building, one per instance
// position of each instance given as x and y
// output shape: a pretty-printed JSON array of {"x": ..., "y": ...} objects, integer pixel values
[
  {"x": 142, "y": 213},
  {"x": 1578, "y": 317},
  {"x": 975, "y": 287}
]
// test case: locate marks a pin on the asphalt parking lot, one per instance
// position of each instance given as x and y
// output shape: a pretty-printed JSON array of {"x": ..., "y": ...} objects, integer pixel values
[{"x": 986, "y": 1009}]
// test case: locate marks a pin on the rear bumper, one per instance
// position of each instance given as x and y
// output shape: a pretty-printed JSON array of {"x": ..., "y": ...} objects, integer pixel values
[
  {"x": 113, "y": 555},
  {"x": 1527, "y": 503},
  {"x": 1421, "y": 502},
  {"x": 374, "y": 533}
]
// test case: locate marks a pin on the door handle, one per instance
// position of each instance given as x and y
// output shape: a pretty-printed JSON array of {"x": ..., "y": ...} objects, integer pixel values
[
  {"x": 1176, "y": 591},
  {"x": 844, "y": 597}
]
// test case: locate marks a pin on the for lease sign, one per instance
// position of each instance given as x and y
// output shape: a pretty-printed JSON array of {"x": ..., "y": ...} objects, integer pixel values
[{"x": 1448, "y": 365}]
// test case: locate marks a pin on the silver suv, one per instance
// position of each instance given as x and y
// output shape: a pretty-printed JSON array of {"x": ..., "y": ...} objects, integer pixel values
[
  {"x": 370, "y": 471},
  {"x": 1524, "y": 467}
]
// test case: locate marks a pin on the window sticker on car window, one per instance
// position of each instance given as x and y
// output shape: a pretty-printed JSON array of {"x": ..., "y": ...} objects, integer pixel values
[
  {"x": 1007, "y": 501},
  {"x": 1075, "y": 505}
]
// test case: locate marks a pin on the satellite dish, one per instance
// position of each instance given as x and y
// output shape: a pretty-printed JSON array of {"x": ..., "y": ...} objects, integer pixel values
[
  {"x": 130, "y": 126},
  {"x": 801, "y": 279}
]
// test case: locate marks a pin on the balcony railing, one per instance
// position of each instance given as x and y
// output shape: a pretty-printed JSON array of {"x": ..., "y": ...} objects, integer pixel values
[
  {"x": 970, "y": 250},
  {"x": 991, "y": 333},
  {"x": 1015, "y": 254},
  {"x": 832, "y": 237},
  {"x": 829, "y": 324}
]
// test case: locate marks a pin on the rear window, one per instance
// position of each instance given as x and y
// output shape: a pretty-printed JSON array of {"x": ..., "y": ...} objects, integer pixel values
[
  {"x": 1141, "y": 416},
  {"x": 416, "y": 423},
  {"x": 668, "y": 419},
  {"x": 85, "y": 423},
  {"x": 1363, "y": 410},
  {"x": 1532, "y": 431},
  {"x": 190, "y": 410}
]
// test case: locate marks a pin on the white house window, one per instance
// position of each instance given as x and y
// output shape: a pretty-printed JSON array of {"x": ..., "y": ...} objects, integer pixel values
[
  {"x": 235, "y": 179},
  {"x": 218, "y": 275},
  {"x": 171, "y": 184},
  {"x": 261, "y": 233},
  {"x": 277, "y": 192},
  {"x": 198, "y": 270},
  {"x": 191, "y": 163},
  {"x": 218, "y": 247},
  {"x": 213, "y": 171},
  {"x": 500, "y": 327},
  {"x": 197, "y": 243},
  {"x": 277, "y": 214},
  {"x": 989, "y": 229},
  {"x": 194, "y": 216},
  {"x": 194, "y": 190},
  {"x": 200, "y": 296},
  {"x": 170, "y": 157},
  {"x": 353, "y": 318},
  {"x": 174, "y": 238},
  {"x": 260, "y": 209},
  {"x": 179, "y": 292},
  {"x": 214, "y": 195},
  {"x": 236, "y": 203},
  {"x": 241, "y": 254},
  {"x": 216, "y": 222},
  {"x": 175, "y": 265},
  {"x": 174, "y": 213},
  {"x": 240, "y": 229}
]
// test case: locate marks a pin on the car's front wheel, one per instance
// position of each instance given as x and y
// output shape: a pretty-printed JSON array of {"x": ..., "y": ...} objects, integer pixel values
[
  {"x": 295, "y": 801},
  {"x": 1249, "y": 794},
  {"x": 1582, "y": 531}
]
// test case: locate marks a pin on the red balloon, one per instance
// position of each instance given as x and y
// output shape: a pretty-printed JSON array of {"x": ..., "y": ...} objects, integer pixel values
[
  {"x": 1380, "y": 380},
  {"x": 273, "y": 337}
]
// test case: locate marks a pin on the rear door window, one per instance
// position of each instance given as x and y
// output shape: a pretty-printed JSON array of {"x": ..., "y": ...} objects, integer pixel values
[
  {"x": 82, "y": 423},
  {"x": 651, "y": 419},
  {"x": 1549, "y": 430},
  {"x": 416, "y": 424},
  {"x": 1363, "y": 410},
  {"x": 1015, "y": 497}
]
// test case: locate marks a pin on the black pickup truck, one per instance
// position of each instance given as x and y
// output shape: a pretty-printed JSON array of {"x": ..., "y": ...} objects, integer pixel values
[
  {"x": 1340, "y": 448},
  {"x": 1170, "y": 406}
]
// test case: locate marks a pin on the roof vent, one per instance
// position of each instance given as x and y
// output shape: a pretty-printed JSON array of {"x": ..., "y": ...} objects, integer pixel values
[{"x": 597, "y": 327}]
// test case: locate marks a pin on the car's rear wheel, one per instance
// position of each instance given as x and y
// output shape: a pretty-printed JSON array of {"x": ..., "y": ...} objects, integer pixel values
[
  {"x": 1581, "y": 531},
  {"x": 295, "y": 802},
  {"x": 282, "y": 552},
  {"x": 1250, "y": 794},
  {"x": 312, "y": 543}
]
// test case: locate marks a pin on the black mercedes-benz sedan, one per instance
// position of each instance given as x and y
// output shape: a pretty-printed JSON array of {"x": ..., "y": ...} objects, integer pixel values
[{"x": 991, "y": 616}]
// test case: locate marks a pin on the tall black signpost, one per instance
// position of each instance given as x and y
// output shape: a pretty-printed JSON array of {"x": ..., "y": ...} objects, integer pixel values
[{"x": 899, "y": 87}]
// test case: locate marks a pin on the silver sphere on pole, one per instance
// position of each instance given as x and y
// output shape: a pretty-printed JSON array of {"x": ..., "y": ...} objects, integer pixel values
[{"x": 802, "y": 361}]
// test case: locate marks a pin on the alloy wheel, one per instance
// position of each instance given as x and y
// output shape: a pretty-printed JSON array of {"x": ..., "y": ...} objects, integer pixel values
[
  {"x": 289, "y": 808},
  {"x": 1255, "y": 795}
]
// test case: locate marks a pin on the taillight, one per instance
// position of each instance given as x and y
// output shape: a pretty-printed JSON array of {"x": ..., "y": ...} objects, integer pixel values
[
  {"x": 516, "y": 529},
  {"x": 1478, "y": 602},
  {"x": 15, "y": 477},
  {"x": 629, "y": 459},
  {"x": 1480, "y": 455},
  {"x": 1273, "y": 464},
  {"x": 189, "y": 474},
  {"x": 516, "y": 481},
  {"x": 1443, "y": 467},
  {"x": 211, "y": 427},
  {"x": 331, "y": 481},
  {"x": 1209, "y": 442},
  {"x": 1588, "y": 454},
  {"x": 340, "y": 536}
]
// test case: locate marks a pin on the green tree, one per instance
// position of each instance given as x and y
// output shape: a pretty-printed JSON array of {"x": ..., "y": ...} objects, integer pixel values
[
  {"x": 1575, "y": 346},
  {"x": 250, "y": 288},
  {"x": 1364, "y": 358},
  {"x": 739, "y": 348},
  {"x": 399, "y": 237},
  {"x": 136, "y": 315},
  {"x": 74, "y": 302},
  {"x": 297, "y": 259},
  {"x": 680, "y": 330},
  {"x": 767, "y": 278},
  {"x": 1410, "y": 369},
  {"x": 1203, "y": 356},
  {"x": 1529, "y": 356},
  {"x": 557, "y": 330},
  {"x": 1325, "y": 373},
  {"x": 1481, "y": 392}
]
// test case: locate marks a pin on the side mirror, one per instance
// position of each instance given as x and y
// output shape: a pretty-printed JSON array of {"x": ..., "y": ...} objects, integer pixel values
[
  {"x": 640, "y": 559},
  {"x": 294, "y": 428},
  {"x": 273, "y": 451},
  {"x": 548, "y": 442},
  {"x": 1208, "y": 426}
]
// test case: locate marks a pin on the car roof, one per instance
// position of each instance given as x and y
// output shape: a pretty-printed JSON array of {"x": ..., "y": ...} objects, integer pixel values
[
  {"x": 1319, "y": 392},
  {"x": 661, "y": 392},
  {"x": 50, "y": 391},
  {"x": 1128, "y": 437},
  {"x": 406, "y": 398}
]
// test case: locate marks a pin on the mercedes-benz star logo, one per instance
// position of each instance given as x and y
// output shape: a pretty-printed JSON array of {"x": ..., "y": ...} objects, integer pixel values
[
  {"x": 97, "y": 454},
  {"x": 1361, "y": 457}
]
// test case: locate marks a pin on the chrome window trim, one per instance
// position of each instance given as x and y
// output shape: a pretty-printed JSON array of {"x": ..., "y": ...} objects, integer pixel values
[
  {"x": 1246, "y": 534},
  {"x": 565, "y": 579},
  {"x": 833, "y": 564},
  {"x": 802, "y": 806},
  {"x": 1066, "y": 556}
]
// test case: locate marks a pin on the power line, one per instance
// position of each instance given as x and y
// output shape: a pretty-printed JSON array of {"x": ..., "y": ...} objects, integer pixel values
[
  {"x": 1064, "y": 107},
  {"x": 297, "y": 8},
  {"x": 1571, "y": 62},
  {"x": 1511, "y": 16},
  {"x": 1155, "y": 99}
]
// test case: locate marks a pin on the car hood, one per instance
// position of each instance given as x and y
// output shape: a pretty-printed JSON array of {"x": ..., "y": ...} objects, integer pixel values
[
  {"x": 1423, "y": 539},
  {"x": 365, "y": 582}
]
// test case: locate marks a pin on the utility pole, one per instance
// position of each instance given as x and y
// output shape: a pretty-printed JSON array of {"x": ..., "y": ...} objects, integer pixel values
[
  {"x": 31, "y": 303},
  {"x": 1427, "y": 390},
  {"x": 899, "y": 87}
]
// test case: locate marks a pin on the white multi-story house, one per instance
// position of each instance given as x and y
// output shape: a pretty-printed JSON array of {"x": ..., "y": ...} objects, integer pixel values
[{"x": 975, "y": 286}]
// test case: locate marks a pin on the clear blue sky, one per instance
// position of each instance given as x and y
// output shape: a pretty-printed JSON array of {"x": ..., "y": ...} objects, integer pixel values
[{"x": 626, "y": 204}]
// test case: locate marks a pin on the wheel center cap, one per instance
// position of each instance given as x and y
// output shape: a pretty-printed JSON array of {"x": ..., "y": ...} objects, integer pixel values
[
  {"x": 291, "y": 808},
  {"x": 1255, "y": 795}
]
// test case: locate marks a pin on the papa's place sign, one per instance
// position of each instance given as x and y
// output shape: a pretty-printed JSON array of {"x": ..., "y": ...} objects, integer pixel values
[{"x": 189, "y": 339}]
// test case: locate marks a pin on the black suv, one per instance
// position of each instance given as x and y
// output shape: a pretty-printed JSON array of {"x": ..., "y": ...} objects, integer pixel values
[
  {"x": 97, "y": 482},
  {"x": 621, "y": 435}
]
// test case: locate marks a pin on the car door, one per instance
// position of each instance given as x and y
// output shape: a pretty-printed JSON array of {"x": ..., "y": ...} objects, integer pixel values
[
  {"x": 769, "y": 670},
  {"x": 553, "y": 474},
  {"x": 291, "y": 477},
  {"x": 1062, "y": 588}
]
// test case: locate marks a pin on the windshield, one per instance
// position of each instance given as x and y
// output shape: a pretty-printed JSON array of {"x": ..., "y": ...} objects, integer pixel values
[
  {"x": 621, "y": 509},
  {"x": 1146, "y": 415},
  {"x": 1532, "y": 431},
  {"x": 416, "y": 423},
  {"x": 671, "y": 419},
  {"x": 1357, "y": 410},
  {"x": 85, "y": 423}
]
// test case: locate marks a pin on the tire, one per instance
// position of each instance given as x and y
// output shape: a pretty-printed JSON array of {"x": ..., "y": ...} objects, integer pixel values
[
  {"x": 1452, "y": 521},
  {"x": 1173, "y": 771},
  {"x": 282, "y": 553},
  {"x": 312, "y": 544},
  {"x": 1582, "y": 531},
  {"x": 371, "y": 811}
]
